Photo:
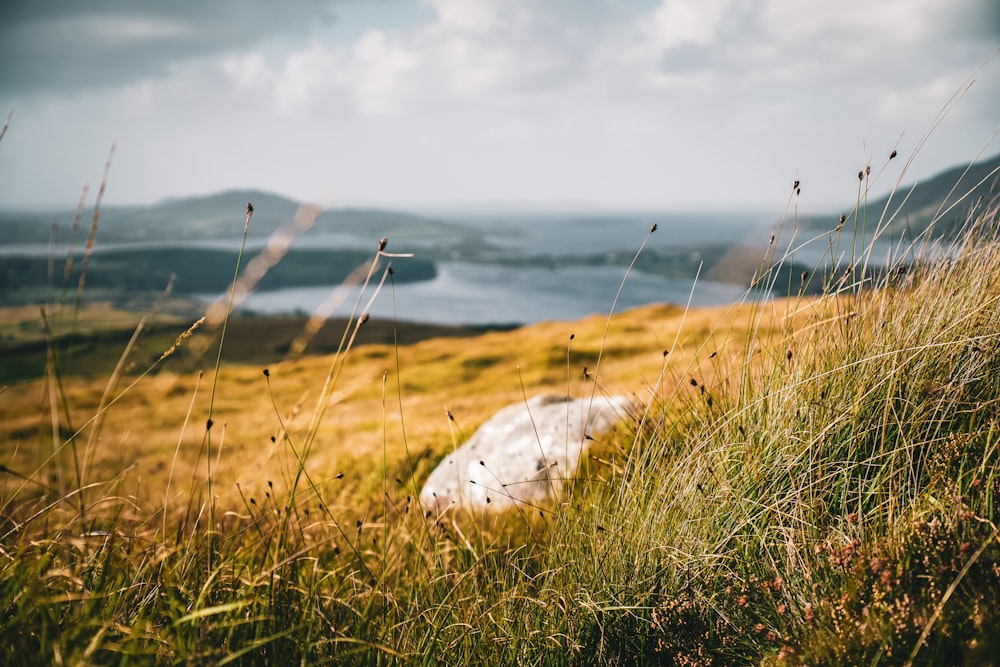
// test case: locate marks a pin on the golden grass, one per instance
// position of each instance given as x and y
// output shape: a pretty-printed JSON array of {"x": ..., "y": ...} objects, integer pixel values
[
  {"x": 373, "y": 411},
  {"x": 20, "y": 324}
]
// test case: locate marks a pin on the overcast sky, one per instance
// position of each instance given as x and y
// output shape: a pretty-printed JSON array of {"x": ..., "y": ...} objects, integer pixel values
[{"x": 528, "y": 104}]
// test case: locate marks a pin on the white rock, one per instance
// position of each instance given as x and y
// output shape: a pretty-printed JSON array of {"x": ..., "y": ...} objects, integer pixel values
[{"x": 522, "y": 454}]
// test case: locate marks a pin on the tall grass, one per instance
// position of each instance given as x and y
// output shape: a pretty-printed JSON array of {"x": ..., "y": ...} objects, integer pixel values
[
  {"x": 820, "y": 510},
  {"x": 817, "y": 486}
]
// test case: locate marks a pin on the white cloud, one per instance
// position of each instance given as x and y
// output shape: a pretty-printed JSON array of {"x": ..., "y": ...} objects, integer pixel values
[
  {"x": 304, "y": 75},
  {"x": 379, "y": 71},
  {"x": 246, "y": 70},
  {"x": 501, "y": 99},
  {"x": 679, "y": 22},
  {"x": 513, "y": 55},
  {"x": 857, "y": 23},
  {"x": 899, "y": 102},
  {"x": 488, "y": 16},
  {"x": 476, "y": 15}
]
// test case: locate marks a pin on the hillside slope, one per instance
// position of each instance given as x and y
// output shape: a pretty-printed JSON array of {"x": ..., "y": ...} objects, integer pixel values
[{"x": 812, "y": 481}]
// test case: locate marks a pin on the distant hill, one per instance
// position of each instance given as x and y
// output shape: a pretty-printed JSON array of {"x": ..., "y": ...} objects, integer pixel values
[
  {"x": 221, "y": 216},
  {"x": 211, "y": 217},
  {"x": 140, "y": 248},
  {"x": 191, "y": 218},
  {"x": 195, "y": 239},
  {"x": 189, "y": 271},
  {"x": 961, "y": 186},
  {"x": 912, "y": 207}
]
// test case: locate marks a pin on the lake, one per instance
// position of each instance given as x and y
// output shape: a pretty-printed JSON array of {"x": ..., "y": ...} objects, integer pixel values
[
  {"x": 520, "y": 269},
  {"x": 478, "y": 294}
]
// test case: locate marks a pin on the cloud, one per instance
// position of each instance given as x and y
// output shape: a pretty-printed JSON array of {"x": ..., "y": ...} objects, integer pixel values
[
  {"x": 65, "y": 45},
  {"x": 380, "y": 66},
  {"x": 427, "y": 100},
  {"x": 504, "y": 53},
  {"x": 682, "y": 22}
]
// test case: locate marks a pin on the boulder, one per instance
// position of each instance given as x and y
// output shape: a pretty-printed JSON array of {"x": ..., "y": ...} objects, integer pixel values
[{"x": 522, "y": 454}]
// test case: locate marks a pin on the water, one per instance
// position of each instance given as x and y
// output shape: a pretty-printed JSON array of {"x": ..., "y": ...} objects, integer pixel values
[
  {"x": 476, "y": 285},
  {"x": 479, "y": 294}
]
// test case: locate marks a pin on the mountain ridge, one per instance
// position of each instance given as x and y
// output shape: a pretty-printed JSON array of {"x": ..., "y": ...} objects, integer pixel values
[
  {"x": 220, "y": 215},
  {"x": 203, "y": 217},
  {"x": 910, "y": 207}
]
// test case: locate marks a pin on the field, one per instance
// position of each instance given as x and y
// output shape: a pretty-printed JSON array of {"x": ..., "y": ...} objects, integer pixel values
[
  {"x": 463, "y": 372},
  {"x": 811, "y": 480}
]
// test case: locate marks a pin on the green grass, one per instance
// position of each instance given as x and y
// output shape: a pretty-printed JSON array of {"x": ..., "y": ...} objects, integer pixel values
[{"x": 812, "y": 481}]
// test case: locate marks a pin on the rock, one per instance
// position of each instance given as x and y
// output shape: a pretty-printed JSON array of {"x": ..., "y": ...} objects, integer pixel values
[{"x": 522, "y": 454}]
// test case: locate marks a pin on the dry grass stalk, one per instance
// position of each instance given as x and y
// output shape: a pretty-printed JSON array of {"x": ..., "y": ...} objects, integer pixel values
[{"x": 89, "y": 247}]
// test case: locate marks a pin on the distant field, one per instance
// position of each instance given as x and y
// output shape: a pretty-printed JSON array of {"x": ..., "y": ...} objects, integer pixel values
[
  {"x": 188, "y": 270},
  {"x": 92, "y": 344}
]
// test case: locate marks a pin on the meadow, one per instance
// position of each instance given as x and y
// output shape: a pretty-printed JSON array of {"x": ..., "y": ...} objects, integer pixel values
[{"x": 810, "y": 480}]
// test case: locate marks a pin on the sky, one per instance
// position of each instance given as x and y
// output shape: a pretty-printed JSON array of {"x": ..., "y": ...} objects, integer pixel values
[{"x": 532, "y": 105}]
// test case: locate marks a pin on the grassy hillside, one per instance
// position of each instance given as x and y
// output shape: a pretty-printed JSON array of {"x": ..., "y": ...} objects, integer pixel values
[
  {"x": 811, "y": 481},
  {"x": 91, "y": 344},
  {"x": 909, "y": 209}
]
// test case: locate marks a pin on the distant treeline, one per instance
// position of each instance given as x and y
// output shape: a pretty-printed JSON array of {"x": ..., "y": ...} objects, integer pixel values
[{"x": 194, "y": 270}]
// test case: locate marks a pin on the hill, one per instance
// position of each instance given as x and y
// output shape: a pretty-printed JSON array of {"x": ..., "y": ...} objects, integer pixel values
[
  {"x": 807, "y": 480},
  {"x": 211, "y": 217},
  {"x": 911, "y": 207}
]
